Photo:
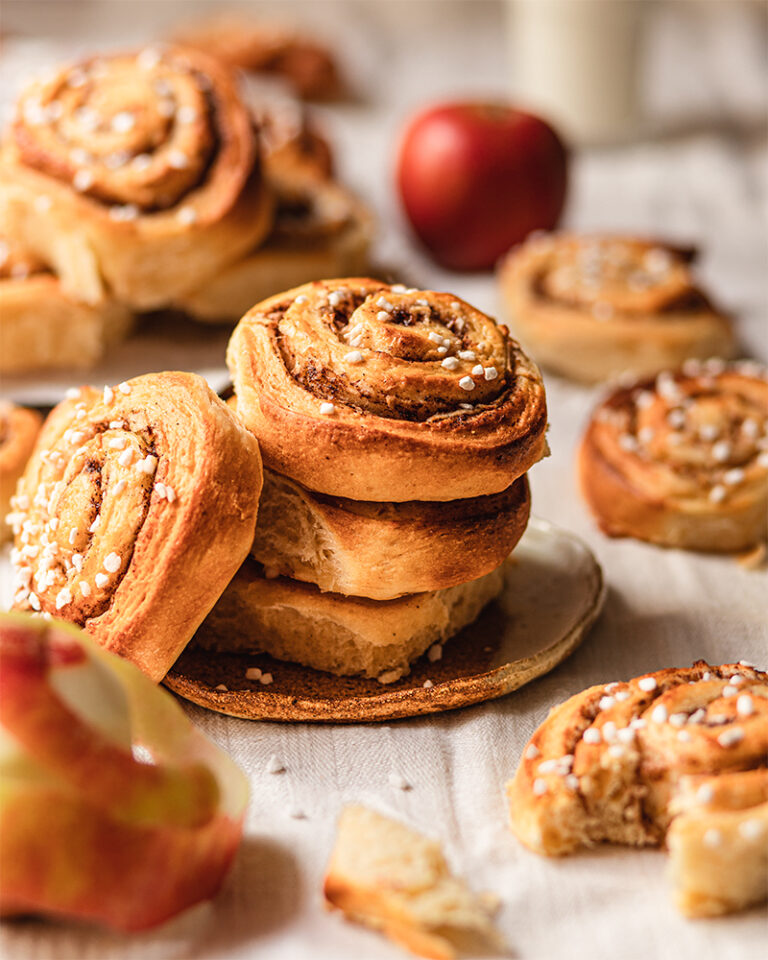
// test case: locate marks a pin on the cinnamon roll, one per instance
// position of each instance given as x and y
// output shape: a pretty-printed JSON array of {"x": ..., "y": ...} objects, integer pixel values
[
  {"x": 384, "y": 550},
  {"x": 41, "y": 327},
  {"x": 19, "y": 428},
  {"x": 135, "y": 511},
  {"x": 678, "y": 754},
  {"x": 346, "y": 636},
  {"x": 682, "y": 460},
  {"x": 359, "y": 389},
  {"x": 134, "y": 175},
  {"x": 594, "y": 307},
  {"x": 268, "y": 48}
]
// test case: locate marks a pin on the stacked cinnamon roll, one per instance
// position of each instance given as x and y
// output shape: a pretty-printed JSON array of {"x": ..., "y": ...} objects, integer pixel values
[
  {"x": 132, "y": 181},
  {"x": 396, "y": 427}
]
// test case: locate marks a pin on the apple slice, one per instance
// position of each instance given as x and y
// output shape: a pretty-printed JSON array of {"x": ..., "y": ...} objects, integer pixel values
[{"x": 113, "y": 807}]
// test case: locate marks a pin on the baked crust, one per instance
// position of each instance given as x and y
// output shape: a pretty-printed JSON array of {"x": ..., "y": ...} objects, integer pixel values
[
  {"x": 682, "y": 460},
  {"x": 384, "y": 550},
  {"x": 595, "y": 307},
  {"x": 134, "y": 176},
  {"x": 134, "y": 512},
  {"x": 393, "y": 879},
  {"x": 677, "y": 754},
  {"x": 347, "y": 636},
  {"x": 43, "y": 328},
  {"x": 19, "y": 428},
  {"x": 358, "y": 389}
]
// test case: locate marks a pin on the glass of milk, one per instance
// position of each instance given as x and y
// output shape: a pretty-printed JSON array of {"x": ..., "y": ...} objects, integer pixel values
[{"x": 576, "y": 63}]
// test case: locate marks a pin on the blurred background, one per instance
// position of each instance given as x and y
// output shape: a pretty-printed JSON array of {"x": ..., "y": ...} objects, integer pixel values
[{"x": 664, "y": 104}]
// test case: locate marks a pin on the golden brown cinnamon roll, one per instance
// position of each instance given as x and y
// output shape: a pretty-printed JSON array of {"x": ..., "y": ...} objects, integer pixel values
[
  {"x": 384, "y": 550},
  {"x": 19, "y": 428},
  {"x": 622, "y": 761},
  {"x": 682, "y": 460},
  {"x": 135, "y": 511},
  {"x": 41, "y": 327},
  {"x": 595, "y": 307},
  {"x": 135, "y": 175},
  {"x": 359, "y": 389}
]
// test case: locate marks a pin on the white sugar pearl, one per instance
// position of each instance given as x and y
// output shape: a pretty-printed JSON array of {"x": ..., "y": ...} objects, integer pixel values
[
  {"x": 647, "y": 684},
  {"x": 532, "y": 751},
  {"x": 82, "y": 180},
  {"x": 477, "y": 371},
  {"x": 592, "y": 735},
  {"x": 490, "y": 373},
  {"x": 326, "y": 409},
  {"x": 101, "y": 579},
  {"x": 178, "y": 160},
  {"x": 354, "y": 356},
  {"x": 539, "y": 787},
  {"x": 186, "y": 215},
  {"x": 450, "y": 363},
  {"x": 112, "y": 562},
  {"x": 123, "y": 122},
  {"x": 467, "y": 383}
]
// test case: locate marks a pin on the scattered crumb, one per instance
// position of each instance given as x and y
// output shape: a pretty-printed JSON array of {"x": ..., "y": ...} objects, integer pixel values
[
  {"x": 398, "y": 782},
  {"x": 427, "y": 684},
  {"x": 253, "y": 673},
  {"x": 434, "y": 653},
  {"x": 389, "y": 676},
  {"x": 274, "y": 765},
  {"x": 221, "y": 686},
  {"x": 266, "y": 678}
]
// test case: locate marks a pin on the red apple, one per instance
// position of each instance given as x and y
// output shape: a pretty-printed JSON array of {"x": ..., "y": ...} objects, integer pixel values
[
  {"x": 477, "y": 178},
  {"x": 87, "y": 829}
]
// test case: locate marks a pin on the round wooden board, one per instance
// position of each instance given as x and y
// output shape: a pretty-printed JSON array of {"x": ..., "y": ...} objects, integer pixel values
[{"x": 552, "y": 595}]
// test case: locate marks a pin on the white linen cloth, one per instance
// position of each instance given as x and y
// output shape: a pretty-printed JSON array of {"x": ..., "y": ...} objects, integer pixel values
[{"x": 663, "y": 607}]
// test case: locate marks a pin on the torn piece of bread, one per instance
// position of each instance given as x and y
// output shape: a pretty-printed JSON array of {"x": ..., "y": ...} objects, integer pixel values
[{"x": 386, "y": 876}]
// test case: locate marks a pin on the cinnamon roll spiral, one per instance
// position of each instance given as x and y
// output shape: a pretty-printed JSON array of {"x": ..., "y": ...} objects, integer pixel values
[
  {"x": 135, "y": 511},
  {"x": 622, "y": 761},
  {"x": 360, "y": 389},
  {"x": 135, "y": 174},
  {"x": 682, "y": 460},
  {"x": 595, "y": 307}
]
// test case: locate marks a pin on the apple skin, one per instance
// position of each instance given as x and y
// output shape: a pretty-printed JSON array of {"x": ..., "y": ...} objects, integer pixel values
[
  {"x": 476, "y": 178},
  {"x": 86, "y": 829}
]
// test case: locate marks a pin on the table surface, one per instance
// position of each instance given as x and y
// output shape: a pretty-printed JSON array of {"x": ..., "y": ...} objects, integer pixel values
[{"x": 708, "y": 184}]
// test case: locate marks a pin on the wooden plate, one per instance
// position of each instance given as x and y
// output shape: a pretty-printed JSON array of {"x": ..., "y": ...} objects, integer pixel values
[{"x": 552, "y": 594}]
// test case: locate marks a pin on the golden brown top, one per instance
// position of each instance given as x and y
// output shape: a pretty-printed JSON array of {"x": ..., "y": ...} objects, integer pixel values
[
  {"x": 394, "y": 352},
  {"x": 701, "y": 432},
  {"x": 141, "y": 132},
  {"x": 608, "y": 276}
]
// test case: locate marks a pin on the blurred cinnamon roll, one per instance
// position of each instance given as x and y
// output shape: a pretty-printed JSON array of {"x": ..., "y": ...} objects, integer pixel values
[
  {"x": 19, "y": 428},
  {"x": 41, "y": 327},
  {"x": 320, "y": 228},
  {"x": 594, "y": 307},
  {"x": 307, "y": 66},
  {"x": 359, "y": 389},
  {"x": 134, "y": 175},
  {"x": 682, "y": 460},
  {"x": 134, "y": 512}
]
